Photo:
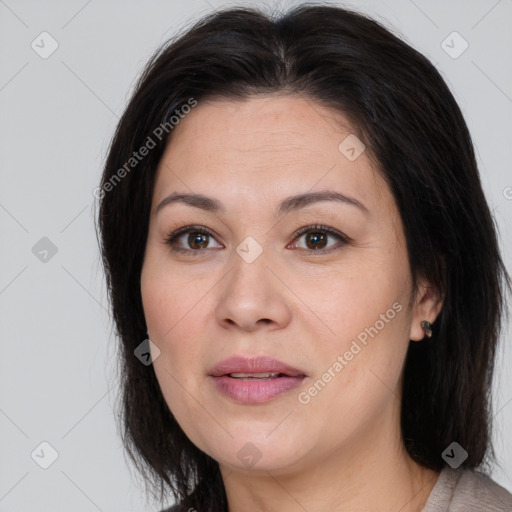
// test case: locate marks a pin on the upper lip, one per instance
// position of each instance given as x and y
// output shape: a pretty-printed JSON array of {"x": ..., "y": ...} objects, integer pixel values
[{"x": 261, "y": 364}]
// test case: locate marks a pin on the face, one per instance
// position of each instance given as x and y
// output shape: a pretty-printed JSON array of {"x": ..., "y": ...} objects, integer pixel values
[{"x": 320, "y": 284}]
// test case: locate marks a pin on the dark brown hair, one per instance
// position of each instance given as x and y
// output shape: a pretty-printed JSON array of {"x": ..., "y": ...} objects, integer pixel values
[{"x": 403, "y": 111}]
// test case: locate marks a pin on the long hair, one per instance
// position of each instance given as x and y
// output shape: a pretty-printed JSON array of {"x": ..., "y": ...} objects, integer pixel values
[{"x": 402, "y": 110}]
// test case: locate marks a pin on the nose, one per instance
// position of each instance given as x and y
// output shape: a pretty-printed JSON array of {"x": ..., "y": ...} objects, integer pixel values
[{"x": 252, "y": 297}]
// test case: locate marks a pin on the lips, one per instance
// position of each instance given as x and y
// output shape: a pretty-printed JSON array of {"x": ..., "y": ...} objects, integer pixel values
[
  {"x": 255, "y": 368},
  {"x": 255, "y": 380}
]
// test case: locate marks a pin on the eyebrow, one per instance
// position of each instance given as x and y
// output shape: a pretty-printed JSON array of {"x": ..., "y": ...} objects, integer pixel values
[{"x": 288, "y": 205}]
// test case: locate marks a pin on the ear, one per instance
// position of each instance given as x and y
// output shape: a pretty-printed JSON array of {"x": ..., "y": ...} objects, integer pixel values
[{"x": 426, "y": 307}]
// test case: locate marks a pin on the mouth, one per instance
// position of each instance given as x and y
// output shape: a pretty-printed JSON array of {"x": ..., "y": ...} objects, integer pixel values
[
  {"x": 255, "y": 380},
  {"x": 261, "y": 367},
  {"x": 258, "y": 376}
]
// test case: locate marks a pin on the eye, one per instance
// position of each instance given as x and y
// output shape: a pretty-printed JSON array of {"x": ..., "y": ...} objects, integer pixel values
[
  {"x": 197, "y": 241},
  {"x": 316, "y": 239}
]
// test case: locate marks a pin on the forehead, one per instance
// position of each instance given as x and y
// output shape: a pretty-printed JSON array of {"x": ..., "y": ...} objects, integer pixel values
[
  {"x": 270, "y": 125},
  {"x": 270, "y": 146}
]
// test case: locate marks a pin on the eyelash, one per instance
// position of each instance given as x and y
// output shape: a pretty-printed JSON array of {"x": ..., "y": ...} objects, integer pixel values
[{"x": 173, "y": 236}]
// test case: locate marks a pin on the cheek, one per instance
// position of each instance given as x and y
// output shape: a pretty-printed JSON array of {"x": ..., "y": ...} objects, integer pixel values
[
  {"x": 175, "y": 318},
  {"x": 169, "y": 302},
  {"x": 354, "y": 380},
  {"x": 166, "y": 317},
  {"x": 365, "y": 308},
  {"x": 352, "y": 299}
]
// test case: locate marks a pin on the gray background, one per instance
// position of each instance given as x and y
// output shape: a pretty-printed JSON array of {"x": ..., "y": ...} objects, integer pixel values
[{"x": 57, "y": 370}]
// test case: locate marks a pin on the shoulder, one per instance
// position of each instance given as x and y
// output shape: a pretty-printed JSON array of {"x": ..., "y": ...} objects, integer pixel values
[
  {"x": 460, "y": 490},
  {"x": 479, "y": 491}
]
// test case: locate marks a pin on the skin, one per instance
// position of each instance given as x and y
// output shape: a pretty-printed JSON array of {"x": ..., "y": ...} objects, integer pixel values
[{"x": 342, "y": 450}]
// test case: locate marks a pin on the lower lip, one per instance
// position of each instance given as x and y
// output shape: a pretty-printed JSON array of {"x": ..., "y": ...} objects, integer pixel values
[{"x": 257, "y": 390}]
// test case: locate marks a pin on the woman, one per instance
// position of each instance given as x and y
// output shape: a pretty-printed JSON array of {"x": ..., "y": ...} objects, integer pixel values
[{"x": 295, "y": 235}]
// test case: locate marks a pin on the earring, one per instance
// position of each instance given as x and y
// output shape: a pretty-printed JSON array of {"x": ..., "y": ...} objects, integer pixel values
[{"x": 428, "y": 328}]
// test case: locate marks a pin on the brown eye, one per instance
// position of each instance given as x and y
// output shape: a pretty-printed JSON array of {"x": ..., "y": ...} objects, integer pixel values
[
  {"x": 316, "y": 239},
  {"x": 198, "y": 239}
]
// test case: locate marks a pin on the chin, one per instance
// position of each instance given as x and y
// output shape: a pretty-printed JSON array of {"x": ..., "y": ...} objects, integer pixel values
[{"x": 255, "y": 450}]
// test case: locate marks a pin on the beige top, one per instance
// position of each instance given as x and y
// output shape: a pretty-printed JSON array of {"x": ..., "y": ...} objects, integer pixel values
[
  {"x": 465, "y": 490},
  {"x": 457, "y": 490}
]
